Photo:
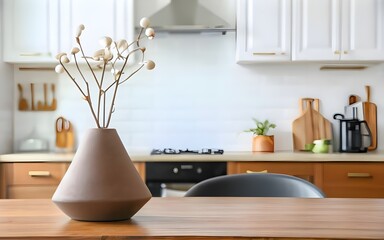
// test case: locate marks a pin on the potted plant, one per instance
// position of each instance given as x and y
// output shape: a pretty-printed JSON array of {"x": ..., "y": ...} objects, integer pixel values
[{"x": 261, "y": 141}]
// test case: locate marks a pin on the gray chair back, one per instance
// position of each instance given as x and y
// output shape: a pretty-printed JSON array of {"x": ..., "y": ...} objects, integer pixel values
[{"x": 255, "y": 185}]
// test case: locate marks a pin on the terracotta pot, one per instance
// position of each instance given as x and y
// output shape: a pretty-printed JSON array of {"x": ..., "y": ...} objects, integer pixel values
[
  {"x": 101, "y": 184},
  {"x": 263, "y": 143}
]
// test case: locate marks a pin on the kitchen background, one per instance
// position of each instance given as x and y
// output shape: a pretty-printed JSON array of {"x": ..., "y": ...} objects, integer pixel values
[
  {"x": 6, "y": 103},
  {"x": 196, "y": 97}
]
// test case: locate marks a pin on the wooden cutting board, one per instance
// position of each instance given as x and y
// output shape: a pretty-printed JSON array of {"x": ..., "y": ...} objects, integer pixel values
[
  {"x": 310, "y": 125},
  {"x": 370, "y": 115}
]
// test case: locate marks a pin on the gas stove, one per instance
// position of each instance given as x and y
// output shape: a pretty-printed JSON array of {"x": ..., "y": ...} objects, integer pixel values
[{"x": 186, "y": 151}]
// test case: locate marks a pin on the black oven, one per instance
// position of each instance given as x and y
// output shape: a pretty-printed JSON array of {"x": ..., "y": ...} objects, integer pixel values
[{"x": 166, "y": 179}]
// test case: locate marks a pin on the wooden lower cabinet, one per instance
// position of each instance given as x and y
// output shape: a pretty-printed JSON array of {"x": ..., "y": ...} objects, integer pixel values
[
  {"x": 31, "y": 180},
  {"x": 336, "y": 179},
  {"x": 353, "y": 180},
  {"x": 36, "y": 180},
  {"x": 305, "y": 171}
]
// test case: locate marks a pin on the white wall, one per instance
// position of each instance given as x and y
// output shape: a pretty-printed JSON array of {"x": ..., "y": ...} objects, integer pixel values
[
  {"x": 199, "y": 97},
  {"x": 6, "y": 103}
]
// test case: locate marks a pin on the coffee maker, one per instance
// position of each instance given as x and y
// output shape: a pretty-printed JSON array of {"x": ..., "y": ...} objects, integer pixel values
[{"x": 355, "y": 135}]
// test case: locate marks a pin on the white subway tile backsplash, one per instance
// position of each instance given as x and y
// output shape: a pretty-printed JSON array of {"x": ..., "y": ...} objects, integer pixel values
[{"x": 197, "y": 96}]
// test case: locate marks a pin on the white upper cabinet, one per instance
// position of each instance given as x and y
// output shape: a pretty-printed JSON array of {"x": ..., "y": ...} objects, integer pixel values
[
  {"x": 362, "y": 30},
  {"x": 334, "y": 30},
  {"x": 112, "y": 18},
  {"x": 263, "y": 30},
  {"x": 35, "y": 31},
  {"x": 30, "y": 30}
]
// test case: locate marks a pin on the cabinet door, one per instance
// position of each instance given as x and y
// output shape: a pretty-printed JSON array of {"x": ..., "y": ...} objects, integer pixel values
[
  {"x": 302, "y": 170},
  {"x": 362, "y": 30},
  {"x": 353, "y": 180},
  {"x": 31, "y": 180},
  {"x": 113, "y": 18},
  {"x": 316, "y": 30},
  {"x": 30, "y": 30},
  {"x": 263, "y": 30}
]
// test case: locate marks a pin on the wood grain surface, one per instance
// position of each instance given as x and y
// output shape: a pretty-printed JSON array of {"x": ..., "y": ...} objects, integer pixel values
[
  {"x": 370, "y": 115},
  {"x": 205, "y": 218}
]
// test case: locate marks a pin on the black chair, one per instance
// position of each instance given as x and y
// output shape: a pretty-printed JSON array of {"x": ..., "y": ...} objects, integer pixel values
[{"x": 255, "y": 185}]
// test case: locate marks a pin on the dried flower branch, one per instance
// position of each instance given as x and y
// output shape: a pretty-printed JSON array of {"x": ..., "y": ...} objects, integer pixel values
[{"x": 108, "y": 57}]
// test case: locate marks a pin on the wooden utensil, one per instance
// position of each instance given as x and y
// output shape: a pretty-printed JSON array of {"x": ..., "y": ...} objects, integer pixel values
[
  {"x": 45, "y": 97},
  {"x": 353, "y": 99},
  {"x": 310, "y": 126},
  {"x": 33, "y": 97},
  {"x": 23, "y": 104},
  {"x": 370, "y": 115},
  {"x": 64, "y": 134},
  {"x": 70, "y": 137},
  {"x": 62, "y": 126},
  {"x": 53, "y": 105},
  {"x": 41, "y": 106}
]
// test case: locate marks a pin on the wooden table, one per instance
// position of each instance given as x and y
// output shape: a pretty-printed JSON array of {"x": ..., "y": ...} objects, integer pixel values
[{"x": 202, "y": 218}]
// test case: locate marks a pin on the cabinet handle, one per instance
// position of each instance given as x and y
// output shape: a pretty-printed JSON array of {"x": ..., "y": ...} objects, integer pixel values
[
  {"x": 359, "y": 175},
  {"x": 268, "y": 53},
  {"x": 39, "y": 173},
  {"x": 337, "y": 52},
  {"x": 34, "y": 54},
  {"x": 263, "y": 171}
]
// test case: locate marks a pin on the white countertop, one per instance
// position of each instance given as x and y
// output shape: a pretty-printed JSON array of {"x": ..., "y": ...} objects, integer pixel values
[{"x": 375, "y": 156}]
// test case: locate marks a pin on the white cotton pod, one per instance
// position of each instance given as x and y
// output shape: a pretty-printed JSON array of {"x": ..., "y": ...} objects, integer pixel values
[
  {"x": 98, "y": 54},
  {"x": 144, "y": 22},
  {"x": 75, "y": 50},
  {"x": 79, "y": 30},
  {"x": 59, "y": 69},
  {"x": 150, "y": 64},
  {"x": 105, "y": 42},
  {"x": 150, "y": 33},
  {"x": 59, "y": 55},
  {"x": 107, "y": 55},
  {"x": 122, "y": 45},
  {"x": 64, "y": 59}
]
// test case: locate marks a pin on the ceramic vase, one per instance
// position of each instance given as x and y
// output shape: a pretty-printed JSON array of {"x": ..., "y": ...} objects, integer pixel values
[
  {"x": 263, "y": 143},
  {"x": 101, "y": 183}
]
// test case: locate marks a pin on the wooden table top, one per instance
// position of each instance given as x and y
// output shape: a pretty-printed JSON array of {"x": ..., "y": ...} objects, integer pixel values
[{"x": 202, "y": 218}]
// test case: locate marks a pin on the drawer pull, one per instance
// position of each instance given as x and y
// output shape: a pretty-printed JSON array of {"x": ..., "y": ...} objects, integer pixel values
[
  {"x": 39, "y": 173},
  {"x": 263, "y": 171},
  {"x": 268, "y": 53},
  {"x": 34, "y": 54},
  {"x": 359, "y": 175}
]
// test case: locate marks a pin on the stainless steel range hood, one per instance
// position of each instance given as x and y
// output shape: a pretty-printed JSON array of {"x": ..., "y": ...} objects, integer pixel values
[{"x": 188, "y": 16}]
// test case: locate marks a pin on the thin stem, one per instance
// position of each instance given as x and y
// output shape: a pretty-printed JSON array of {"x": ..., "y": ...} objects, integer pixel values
[
  {"x": 78, "y": 69},
  {"x": 88, "y": 96},
  {"x": 142, "y": 58},
  {"x": 133, "y": 73},
  {"x": 138, "y": 69},
  {"x": 104, "y": 109},
  {"x": 116, "y": 87},
  {"x": 72, "y": 78},
  {"x": 86, "y": 60},
  {"x": 100, "y": 90}
]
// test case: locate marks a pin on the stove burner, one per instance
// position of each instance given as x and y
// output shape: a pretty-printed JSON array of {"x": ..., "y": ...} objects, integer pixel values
[{"x": 187, "y": 151}]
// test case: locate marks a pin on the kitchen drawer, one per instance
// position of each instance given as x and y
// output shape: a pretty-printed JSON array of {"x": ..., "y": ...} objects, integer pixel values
[
  {"x": 35, "y": 173},
  {"x": 30, "y": 191},
  {"x": 353, "y": 179},
  {"x": 303, "y": 170}
]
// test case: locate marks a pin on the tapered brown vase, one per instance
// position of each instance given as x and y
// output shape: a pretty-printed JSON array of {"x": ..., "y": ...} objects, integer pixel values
[{"x": 101, "y": 184}]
